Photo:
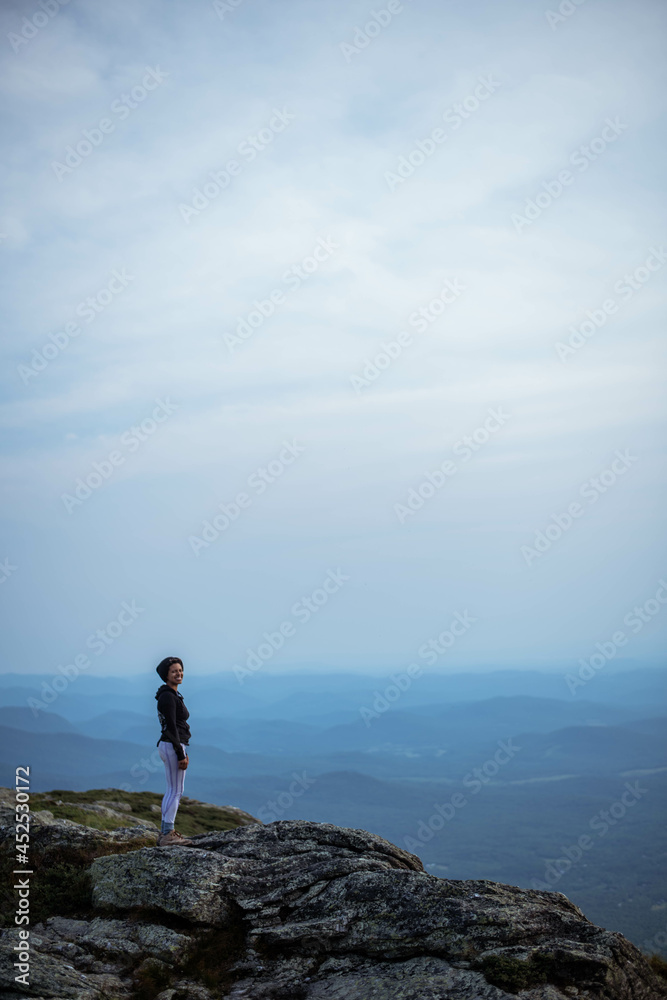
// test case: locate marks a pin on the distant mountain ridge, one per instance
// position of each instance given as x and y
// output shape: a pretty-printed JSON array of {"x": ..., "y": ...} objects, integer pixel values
[
  {"x": 440, "y": 728},
  {"x": 337, "y": 696}
]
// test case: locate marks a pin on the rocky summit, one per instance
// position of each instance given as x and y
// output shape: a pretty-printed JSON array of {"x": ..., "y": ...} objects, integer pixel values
[{"x": 296, "y": 910}]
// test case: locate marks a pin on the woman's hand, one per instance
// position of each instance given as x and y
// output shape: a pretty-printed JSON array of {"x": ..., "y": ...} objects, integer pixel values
[{"x": 183, "y": 764}]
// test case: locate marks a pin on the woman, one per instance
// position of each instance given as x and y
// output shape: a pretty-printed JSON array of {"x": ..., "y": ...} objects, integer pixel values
[{"x": 173, "y": 716}]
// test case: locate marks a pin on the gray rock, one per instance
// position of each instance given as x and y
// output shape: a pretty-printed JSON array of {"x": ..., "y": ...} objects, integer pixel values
[
  {"x": 117, "y": 806},
  {"x": 420, "y": 978},
  {"x": 185, "y": 882},
  {"x": 118, "y": 939},
  {"x": 38, "y": 817},
  {"x": 53, "y": 976},
  {"x": 185, "y": 989}
]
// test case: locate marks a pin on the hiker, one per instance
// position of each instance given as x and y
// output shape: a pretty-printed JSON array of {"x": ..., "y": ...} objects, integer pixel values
[{"x": 173, "y": 716}]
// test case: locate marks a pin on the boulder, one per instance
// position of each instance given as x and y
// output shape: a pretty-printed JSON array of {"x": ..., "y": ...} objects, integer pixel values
[{"x": 187, "y": 883}]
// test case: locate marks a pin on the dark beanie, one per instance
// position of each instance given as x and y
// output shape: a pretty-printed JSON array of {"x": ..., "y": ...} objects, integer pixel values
[{"x": 163, "y": 667}]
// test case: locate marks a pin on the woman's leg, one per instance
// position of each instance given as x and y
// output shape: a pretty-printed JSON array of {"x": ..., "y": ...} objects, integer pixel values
[{"x": 175, "y": 782}]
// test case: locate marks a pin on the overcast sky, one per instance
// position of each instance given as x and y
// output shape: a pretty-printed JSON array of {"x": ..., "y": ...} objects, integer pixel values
[{"x": 468, "y": 194}]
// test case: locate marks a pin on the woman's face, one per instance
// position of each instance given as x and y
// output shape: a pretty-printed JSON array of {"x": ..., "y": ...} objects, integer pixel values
[{"x": 175, "y": 675}]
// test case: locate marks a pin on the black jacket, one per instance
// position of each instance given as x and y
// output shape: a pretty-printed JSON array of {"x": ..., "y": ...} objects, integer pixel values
[{"x": 173, "y": 715}]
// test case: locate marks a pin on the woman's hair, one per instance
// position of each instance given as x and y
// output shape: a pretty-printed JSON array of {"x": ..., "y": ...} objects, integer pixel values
[{"x": 163, "y": 666}]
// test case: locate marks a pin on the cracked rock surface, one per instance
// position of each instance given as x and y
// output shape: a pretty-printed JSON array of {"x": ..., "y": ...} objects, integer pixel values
[{"x": 297, "y": 910}]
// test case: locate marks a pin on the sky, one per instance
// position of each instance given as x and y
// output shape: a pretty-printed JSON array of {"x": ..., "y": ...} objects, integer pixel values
[{"x": 332, "y": 332}]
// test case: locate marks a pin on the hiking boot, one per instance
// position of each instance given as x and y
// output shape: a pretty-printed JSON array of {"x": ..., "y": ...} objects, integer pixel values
[{"x": 173, "y": 839}]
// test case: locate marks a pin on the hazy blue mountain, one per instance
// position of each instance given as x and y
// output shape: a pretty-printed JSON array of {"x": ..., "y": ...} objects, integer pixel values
[
  {"x": 44, "y": 722},
  {"x": 540, "y": 757},
  {"x": 544, "y": 713},
  {"x": 113, "y": 724},
  {"x": 441, "y": 730},
  {"x": 398, "y": 744},
  {"x": 258, "y": 735},
  {"x": 656, "y": 724},
  {"x": 588, "y": 750},
  {"x": 468, "y": 722},
  {"x": 88, "y": 696},
  {"x": 71, "y": 755},
  {"x": 335, "y": 697},
  {"x": 231, "y": 734},
  {"x": 401, "y": 750}
]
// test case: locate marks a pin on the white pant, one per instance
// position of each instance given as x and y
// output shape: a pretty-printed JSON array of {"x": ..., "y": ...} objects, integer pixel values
[{"x": 175, "y": 781}]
